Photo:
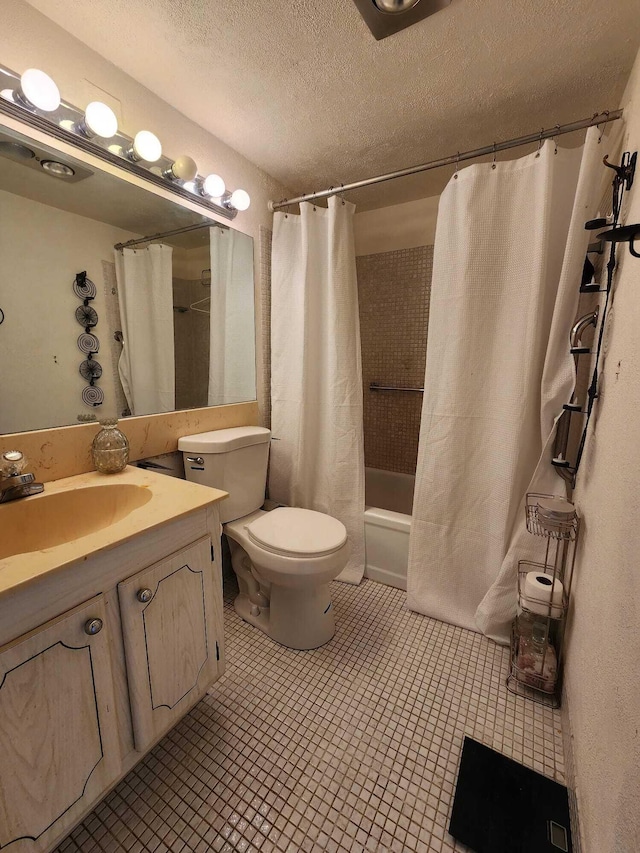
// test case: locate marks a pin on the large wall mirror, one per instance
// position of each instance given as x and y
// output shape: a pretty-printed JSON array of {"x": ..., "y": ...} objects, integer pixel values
[{"x": 114, "y": 300}]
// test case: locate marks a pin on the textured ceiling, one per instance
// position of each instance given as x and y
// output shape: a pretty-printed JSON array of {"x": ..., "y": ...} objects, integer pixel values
[{"x": 302, "y": 89}]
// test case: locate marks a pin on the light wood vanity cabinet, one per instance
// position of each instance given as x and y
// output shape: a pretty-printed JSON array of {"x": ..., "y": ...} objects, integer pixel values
[
  {"x": 58, "y": 733},
  {"x": 170, "y": 639},
  {"x": 108, "y": 655}
]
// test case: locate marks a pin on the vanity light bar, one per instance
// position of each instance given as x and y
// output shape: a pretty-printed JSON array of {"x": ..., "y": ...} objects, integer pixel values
[{"x": 34, "y": 99}]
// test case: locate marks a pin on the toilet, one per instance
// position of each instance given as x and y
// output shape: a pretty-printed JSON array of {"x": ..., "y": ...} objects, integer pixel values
[{"x": 284, "y": 559}]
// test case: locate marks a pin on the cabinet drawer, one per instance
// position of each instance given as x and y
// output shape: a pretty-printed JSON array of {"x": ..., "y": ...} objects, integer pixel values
[
  {"x": 58, "y": 736},
  {"x": 169, "y": 627}
]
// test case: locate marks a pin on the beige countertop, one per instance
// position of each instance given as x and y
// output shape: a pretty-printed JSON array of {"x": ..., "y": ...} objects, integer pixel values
[{"x": 89, "y": 513}]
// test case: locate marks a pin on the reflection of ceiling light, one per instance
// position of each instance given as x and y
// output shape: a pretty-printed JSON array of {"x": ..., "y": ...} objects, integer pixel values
[
  {"x": 213, "y": 186},
  {"x": 395, "y": 6},
  {"x": 99, "y": 120},
  {"x": 184, "y": 168},
  {"x": 16, "y": 150},
  {"x": 58, "y": 170},
  {"x": 146, "y": 146},
  {"x": 38, "y": 90}
]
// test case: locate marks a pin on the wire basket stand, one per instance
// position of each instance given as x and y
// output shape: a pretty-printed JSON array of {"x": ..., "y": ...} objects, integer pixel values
[{"x": 544, "y": 590}]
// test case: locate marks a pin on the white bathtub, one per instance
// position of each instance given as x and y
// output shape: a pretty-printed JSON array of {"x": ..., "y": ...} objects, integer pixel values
[{"x": 387, "y": 524}]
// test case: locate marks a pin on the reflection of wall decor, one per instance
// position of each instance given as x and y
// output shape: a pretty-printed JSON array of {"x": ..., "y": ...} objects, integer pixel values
[
  {"x": 92, "y": 395},
  {"x": 86, "y": 316},
  {"x": 88, "y": 344},
  {"x": 90, "y": 369},
  {"x": 83, "y": 287}
]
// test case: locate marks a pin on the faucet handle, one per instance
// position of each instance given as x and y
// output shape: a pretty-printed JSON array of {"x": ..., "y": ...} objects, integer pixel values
[{"x": 12, "y": 463}]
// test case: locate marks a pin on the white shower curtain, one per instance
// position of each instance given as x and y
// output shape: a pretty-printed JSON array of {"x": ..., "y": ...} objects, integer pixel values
[
  {"x": 231, "y": 324},
  {"x": 317, "y": 452},
  {"x": 145, "y": 296},
  {"x": 509, "y": 250}
]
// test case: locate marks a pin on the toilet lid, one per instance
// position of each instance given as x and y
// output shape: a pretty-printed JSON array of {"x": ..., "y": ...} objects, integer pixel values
[{"x": 298, "y": 532}]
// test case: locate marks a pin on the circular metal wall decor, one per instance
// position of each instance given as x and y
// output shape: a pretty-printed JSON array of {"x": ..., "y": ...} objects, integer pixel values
[
  {"x": 90, "y": 370},
  {"x": 86, "y": 316},
  {"x": 92, "y": 395},
  {"x": 88, "y": 343},
  {"x": 83, "y": 287}
]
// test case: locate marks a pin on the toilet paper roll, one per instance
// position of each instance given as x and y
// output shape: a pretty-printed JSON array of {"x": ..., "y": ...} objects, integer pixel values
[{"x": 537, "y": 594}]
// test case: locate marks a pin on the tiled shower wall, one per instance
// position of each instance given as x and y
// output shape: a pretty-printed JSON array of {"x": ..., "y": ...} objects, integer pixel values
[
  {"x": 393, "y": 292},
  {"x": 191, "y": 333}
]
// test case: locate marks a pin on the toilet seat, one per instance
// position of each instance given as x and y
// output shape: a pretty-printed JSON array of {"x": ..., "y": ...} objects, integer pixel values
[{"x": 294, "y": 532}]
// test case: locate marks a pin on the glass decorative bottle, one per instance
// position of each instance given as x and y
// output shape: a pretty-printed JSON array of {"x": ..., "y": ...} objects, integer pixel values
[{"x": 110, "y": 448}]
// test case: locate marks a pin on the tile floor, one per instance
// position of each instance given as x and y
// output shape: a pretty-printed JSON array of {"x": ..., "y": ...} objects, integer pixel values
[{"x": 352, "y": 747}]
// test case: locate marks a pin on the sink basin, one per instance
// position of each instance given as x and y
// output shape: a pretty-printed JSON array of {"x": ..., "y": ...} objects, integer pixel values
[{"x": 47, "y": 520}]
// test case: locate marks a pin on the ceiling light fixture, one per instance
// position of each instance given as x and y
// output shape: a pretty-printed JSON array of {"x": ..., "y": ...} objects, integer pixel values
[
  {"x": 184, "y": 168},
  {"x": 386, "y": 17},
  {"x": 212, "y": 186},
  {"x": 58, "y": 170},
  {"x": 393, "y": 7},
  {"x": 37, "y": 90},
  {"x": 146, "y": 146},
  {"x": 34, "y": 98},
  {"x": 99, "y": 120}
]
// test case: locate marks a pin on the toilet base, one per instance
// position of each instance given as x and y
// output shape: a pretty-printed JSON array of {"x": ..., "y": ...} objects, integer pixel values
[{"x": 298, "y": 619}]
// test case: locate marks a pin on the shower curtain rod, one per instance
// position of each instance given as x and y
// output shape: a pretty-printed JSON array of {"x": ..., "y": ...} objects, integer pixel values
[
  {"x": 558, "y": 130},
  {"x": 173, "y": 233}
]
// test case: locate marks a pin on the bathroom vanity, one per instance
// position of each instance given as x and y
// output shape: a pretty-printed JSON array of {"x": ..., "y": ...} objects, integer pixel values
[{"x": 110, "y": 631}]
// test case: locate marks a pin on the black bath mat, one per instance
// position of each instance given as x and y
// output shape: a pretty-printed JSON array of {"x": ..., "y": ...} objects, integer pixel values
[{"x": 502, "y": 807}]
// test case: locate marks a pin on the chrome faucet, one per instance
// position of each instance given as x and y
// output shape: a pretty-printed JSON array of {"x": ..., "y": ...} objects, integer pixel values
[{"x": 13, "y": 483}]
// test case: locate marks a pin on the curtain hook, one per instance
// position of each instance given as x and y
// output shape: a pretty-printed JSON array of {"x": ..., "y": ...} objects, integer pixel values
[
  {"x": 493, "y": 164},
  {"x": 455, "y": 174},
  {"x": 555, "y": 140},
  {"x": 314, "y": 204},
  {"x": 540, "y": 142},
  {"x": 342, "y": 194}
]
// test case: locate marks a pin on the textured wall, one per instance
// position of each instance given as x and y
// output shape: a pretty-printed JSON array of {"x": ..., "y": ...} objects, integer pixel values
[
  {"x": 398, "y": 226},
  {"x": 604, "y": 645},
  {"x": 393, "y": 292}
]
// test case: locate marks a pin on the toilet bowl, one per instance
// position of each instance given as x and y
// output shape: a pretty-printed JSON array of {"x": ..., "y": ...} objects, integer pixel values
[{"x": 283, "y": 559}]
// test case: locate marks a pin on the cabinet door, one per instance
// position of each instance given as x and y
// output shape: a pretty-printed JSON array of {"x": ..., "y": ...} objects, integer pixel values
[
  {"x": 58, "y": 736},
  {"x": 170, "y": 624}
]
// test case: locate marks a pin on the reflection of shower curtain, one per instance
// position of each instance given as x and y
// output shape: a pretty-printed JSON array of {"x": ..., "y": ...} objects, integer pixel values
[
  {"x": 509, "y": 250},
  {"x": 317, "y": 456},
  {"x": 232, "y": 341},
  {"x": 145, "y": 295}
]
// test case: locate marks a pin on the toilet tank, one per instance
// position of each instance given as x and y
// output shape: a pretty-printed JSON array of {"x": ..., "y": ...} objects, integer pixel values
[{"x": 234, "y": 460}]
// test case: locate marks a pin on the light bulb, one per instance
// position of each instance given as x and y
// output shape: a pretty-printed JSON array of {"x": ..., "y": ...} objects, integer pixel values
[
  {"x": 146, "y": 146},
  {"x": 240, "y": 199},
  {"x": 38, "y": 90},
  {"x": 184, "y": 168},
  {"x": 99, "y": 120},
  {"x": 213, "y": 186}
]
